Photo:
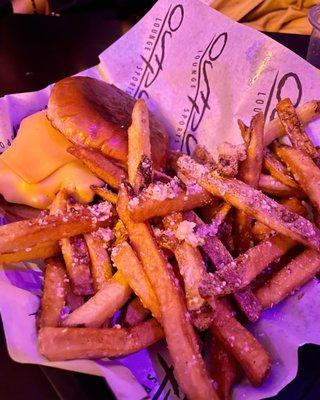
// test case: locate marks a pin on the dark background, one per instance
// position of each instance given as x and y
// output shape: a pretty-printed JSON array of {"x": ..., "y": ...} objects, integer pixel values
[{"x": 36, "y": 50}]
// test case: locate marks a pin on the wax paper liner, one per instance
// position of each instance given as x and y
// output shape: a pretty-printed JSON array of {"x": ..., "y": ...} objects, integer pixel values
[{"x": 199, "y": 72}]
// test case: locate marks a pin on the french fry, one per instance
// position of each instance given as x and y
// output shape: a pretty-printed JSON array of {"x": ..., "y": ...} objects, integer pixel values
[
  {"x": 248, "y": 303},
  {"x": 254, "y": 203},
  {"x": 17, "y": 212},
  {"x": 293, "y": 127},
  {"x": 250, "y": 168},
  {"x": 114, "y": 294},
  {"x": 239, "y": 342},
  {"x": 76, "y": 257},
  {"x": 131, "y": 269},
  {"x": 294, "y": 275},
  {"x": 101, "y": 268},
  {"x": 239, "y": 273},
  {"x": 211, "y": 228},
  {"x": 262, "y": 231},
  {"x": 160, "y": 199},
  {"x": 306, "y": 113},
  {"x": 41, "y": 251},
  {"x": 58, "y": 344},
  {"x": 74, "y": 249},
  {"x": 202, "y": 156},
  {"x": 215, "y": 210},
  {"x": 29, "y": 233},
  {"x": 134, "y": 313},
  {"x": 54, "y": 293},
  {"x": 120, "y": 232},
  {"x": 244, "y": 130},
  {"x": 223, "y": 368},
  {"x": 305, "y": 171},
  {"x": 217, "y": 252},
  {"x": 212, "y": 245},
  {"x": 229, "y": 156},
  {"x": 220, "y": 257},
  {"x": 192, "y": 268},
  {"x": 139, "y": 148},
  {"x": 316, "y": 216},
  {"x": 181, "y": 339},
  {"x": 271, "y": 186},
  {"x": 105, "y": 194},
  {"x": 99, "y": 165},
  {"x": 278, "y": 170},
  {"x": 73, "y": 301},
  {"x": 249, "y": 173}
]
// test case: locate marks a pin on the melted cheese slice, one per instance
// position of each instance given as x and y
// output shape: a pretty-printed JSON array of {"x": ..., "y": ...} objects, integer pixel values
[
  {"x": 37, "y": 166},
  {"x": 38, "y": 150}
]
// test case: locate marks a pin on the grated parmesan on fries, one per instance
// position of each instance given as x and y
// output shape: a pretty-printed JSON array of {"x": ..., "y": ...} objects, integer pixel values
[{"x": 201, "y": 246}]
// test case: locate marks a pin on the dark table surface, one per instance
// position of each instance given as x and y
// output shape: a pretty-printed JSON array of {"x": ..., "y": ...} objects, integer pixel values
[{"x": 35, "y": 51}]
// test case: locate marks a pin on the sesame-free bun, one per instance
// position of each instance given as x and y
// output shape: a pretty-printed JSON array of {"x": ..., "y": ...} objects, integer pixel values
[{"x": 93, "y": 113}]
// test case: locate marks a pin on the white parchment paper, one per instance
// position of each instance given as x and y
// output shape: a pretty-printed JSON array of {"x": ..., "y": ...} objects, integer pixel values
[{"x": 199, "y": 72}]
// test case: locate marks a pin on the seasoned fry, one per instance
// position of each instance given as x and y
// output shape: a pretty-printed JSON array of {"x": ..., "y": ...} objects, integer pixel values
[
  {"x": 81, "y": 219},
  {"x": 54, "y": 293},
  {"x": 249, "y": 173},
  {"x": 305, "y": 171},
  {"x": 139, "y": 148},
  {"x": 278, "y": 170},
  {"x": 190, "y": 265},
  {"x": 131, "y": 269},
  {"x": 248, "y": 304},
  {"x": 58, "y": 344},
  {"x": 217, "y": 252},
  {"x": 135, "y": 313},
  {"x": 239, "y": 273},
  {"x": 269, "y": 185},
  {"x": 73, "y": 301},
  {"x": 41, "y": 251},
  {"x": 160, "y": 199},
  {"x": 76, "y": 257},
  {"x": 17, "y": 212},
  {"x": 250, "y": 168},
  {"x": 202, "y": 156},
  {"x": 229, "y": 156},
  {"x": 215, "y": 223},
  {"x": 74, "y": 249},
  {"x": 220, "y": 257},
  {"x": 244, "y": 130},
  {"x": 254, "y": 203},
  {"x": 239, "y": 342},
  {"x": 101, "y": 268},
  {"x": 120, "y": 232},
  {"x": 212, "y": 246},
  {"x": 114, "y": 294},
  {"x": 105, "y": 194},
  {"x": 192, "y": 268},
  {"x": 214, "y": 211},
  {"x": 181, "y": 339},
  {"x": 306, "y": 113},
  {"x": 294, "y": 275},
  {"x": 99, "y": 165},
  {"x": 261, "y": 231},
  {"x": 223, "y": 368},
  {"x": 293, "y": 128}
]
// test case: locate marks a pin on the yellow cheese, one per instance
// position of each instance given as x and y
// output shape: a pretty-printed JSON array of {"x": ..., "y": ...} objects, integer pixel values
[
  {"x": 40, "y": 195},
  {"x": 38, "y": 150},
  {"x": 37, "y": 166}
]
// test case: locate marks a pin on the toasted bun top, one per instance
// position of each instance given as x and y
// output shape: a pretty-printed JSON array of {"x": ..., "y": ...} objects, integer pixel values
[{"x": 96, "y": 114}]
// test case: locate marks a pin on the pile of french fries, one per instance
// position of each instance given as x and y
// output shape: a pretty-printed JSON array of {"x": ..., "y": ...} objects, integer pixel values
[{"x": 204, "y": 246}]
